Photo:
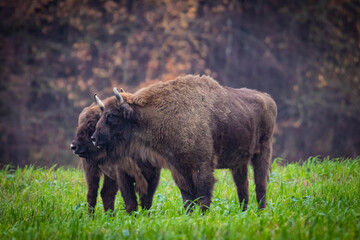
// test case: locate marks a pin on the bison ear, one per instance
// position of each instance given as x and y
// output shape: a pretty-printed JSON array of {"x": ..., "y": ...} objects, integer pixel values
[{"x": 128, "y": 112}]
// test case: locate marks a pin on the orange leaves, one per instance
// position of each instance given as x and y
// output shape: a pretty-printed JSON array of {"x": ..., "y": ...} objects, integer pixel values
[
  {"x": 147, "y": 83},
  {"x": 64, "y": 8},
  {"x": 82, "y": 51},
  {"x": 150, "y": 17},
  {"x": 81, "y": 83},
  {"x": 179, "y": 15},
  {"x": 358, "y": 27},
  {"x": 218, "y": 9},
  {"x": 101, "y": 72},
  {"x": 90, "y": 12},
  {"x": 76, "y": 23},
  {"x": 322, "y": 82},
  {"x": 191, "y": 13},
  {"x": 183, "y": 23},
  {"x": 175, "y": 68},
  {"x": 61, "y": 83},
  {"x": 111, "y": 6},
  {"x": 153, "y": 65}
]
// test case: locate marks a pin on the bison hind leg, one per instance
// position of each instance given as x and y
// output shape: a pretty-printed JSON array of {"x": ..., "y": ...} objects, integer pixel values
[
  {"x": 261, "y": 165},
  {"x": 240, "y": 176}
]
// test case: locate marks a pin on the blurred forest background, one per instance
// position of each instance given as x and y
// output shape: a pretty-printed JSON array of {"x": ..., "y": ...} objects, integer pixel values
[{"x": 54, "y": 55}]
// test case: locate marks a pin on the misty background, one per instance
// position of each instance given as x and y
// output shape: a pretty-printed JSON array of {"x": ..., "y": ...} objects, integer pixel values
[{"x": 54, "y": 55}]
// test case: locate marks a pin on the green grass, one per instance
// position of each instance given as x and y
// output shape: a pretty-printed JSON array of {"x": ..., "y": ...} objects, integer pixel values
[{"x": 315, "y": 200}]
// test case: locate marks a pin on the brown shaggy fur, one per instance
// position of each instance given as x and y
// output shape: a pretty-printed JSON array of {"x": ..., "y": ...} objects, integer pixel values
[
  {"x": 192, "y": 125},
  {"x": 96, "y": 162}
]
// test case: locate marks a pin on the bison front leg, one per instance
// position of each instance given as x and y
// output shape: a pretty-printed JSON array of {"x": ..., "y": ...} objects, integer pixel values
[
  {"x": 204, "y": 182},
  {"x": 153, "y": 182},
  {"x": 261, "y": 165},
  {"x": 92, "y": 180},
  {"x": 188, "y": 199},
  {"x": 185, "y": 185},
  {"x": 240, "y": 176},
  {"x": 108, "y": 193},
  {"x": 197, "y": 187},
  {"x": 127, "y": 189}
]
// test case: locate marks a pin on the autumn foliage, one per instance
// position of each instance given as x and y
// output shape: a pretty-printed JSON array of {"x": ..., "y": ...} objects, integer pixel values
[{"x": 55, "y": 54}]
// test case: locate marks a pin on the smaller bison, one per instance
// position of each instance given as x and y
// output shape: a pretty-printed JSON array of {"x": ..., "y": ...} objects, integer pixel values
[
  {"x": 192, "y": 125},
  {"x": 96, "y": 162}
]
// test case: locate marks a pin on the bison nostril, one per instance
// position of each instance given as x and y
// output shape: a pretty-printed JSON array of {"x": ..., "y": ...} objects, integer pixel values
[
  {"x": 73, "y": 147},
  {"x": 93, "y": 140}
]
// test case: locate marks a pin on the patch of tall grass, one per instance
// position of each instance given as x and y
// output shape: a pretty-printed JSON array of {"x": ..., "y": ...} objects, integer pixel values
[{"x": 318, "y": 199}]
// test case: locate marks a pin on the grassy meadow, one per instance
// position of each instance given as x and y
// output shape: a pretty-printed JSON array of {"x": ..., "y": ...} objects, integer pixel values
[{"x": 319, "y": 199}]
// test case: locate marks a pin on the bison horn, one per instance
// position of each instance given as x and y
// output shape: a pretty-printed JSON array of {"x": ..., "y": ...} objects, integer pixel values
[
  {"x": 118, "y": 96},
  {"x": 122, "y": 90},
  {"x": 99, "y": 102}
]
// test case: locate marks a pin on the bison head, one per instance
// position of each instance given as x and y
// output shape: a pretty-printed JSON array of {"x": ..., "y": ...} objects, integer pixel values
[
  {"x": 82, "y": 145},
  {"x": 116, "y": 121}
]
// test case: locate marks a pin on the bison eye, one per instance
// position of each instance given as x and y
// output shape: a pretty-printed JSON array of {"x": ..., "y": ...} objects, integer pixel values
[{"x": 112, "y": 119}]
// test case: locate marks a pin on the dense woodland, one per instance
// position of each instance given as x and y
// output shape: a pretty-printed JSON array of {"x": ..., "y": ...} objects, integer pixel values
[{"x": 55, "y": 54}]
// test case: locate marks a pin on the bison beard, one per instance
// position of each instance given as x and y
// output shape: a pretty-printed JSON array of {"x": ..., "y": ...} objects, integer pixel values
[
  {"x": 117, "y": 175},
  {"x": 192, "y": 125}
]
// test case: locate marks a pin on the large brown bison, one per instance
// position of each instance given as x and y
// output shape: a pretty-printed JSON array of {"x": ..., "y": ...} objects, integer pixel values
[
  {"x": 96, "y": 162},
  {"x": 192, "y": 125}
]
